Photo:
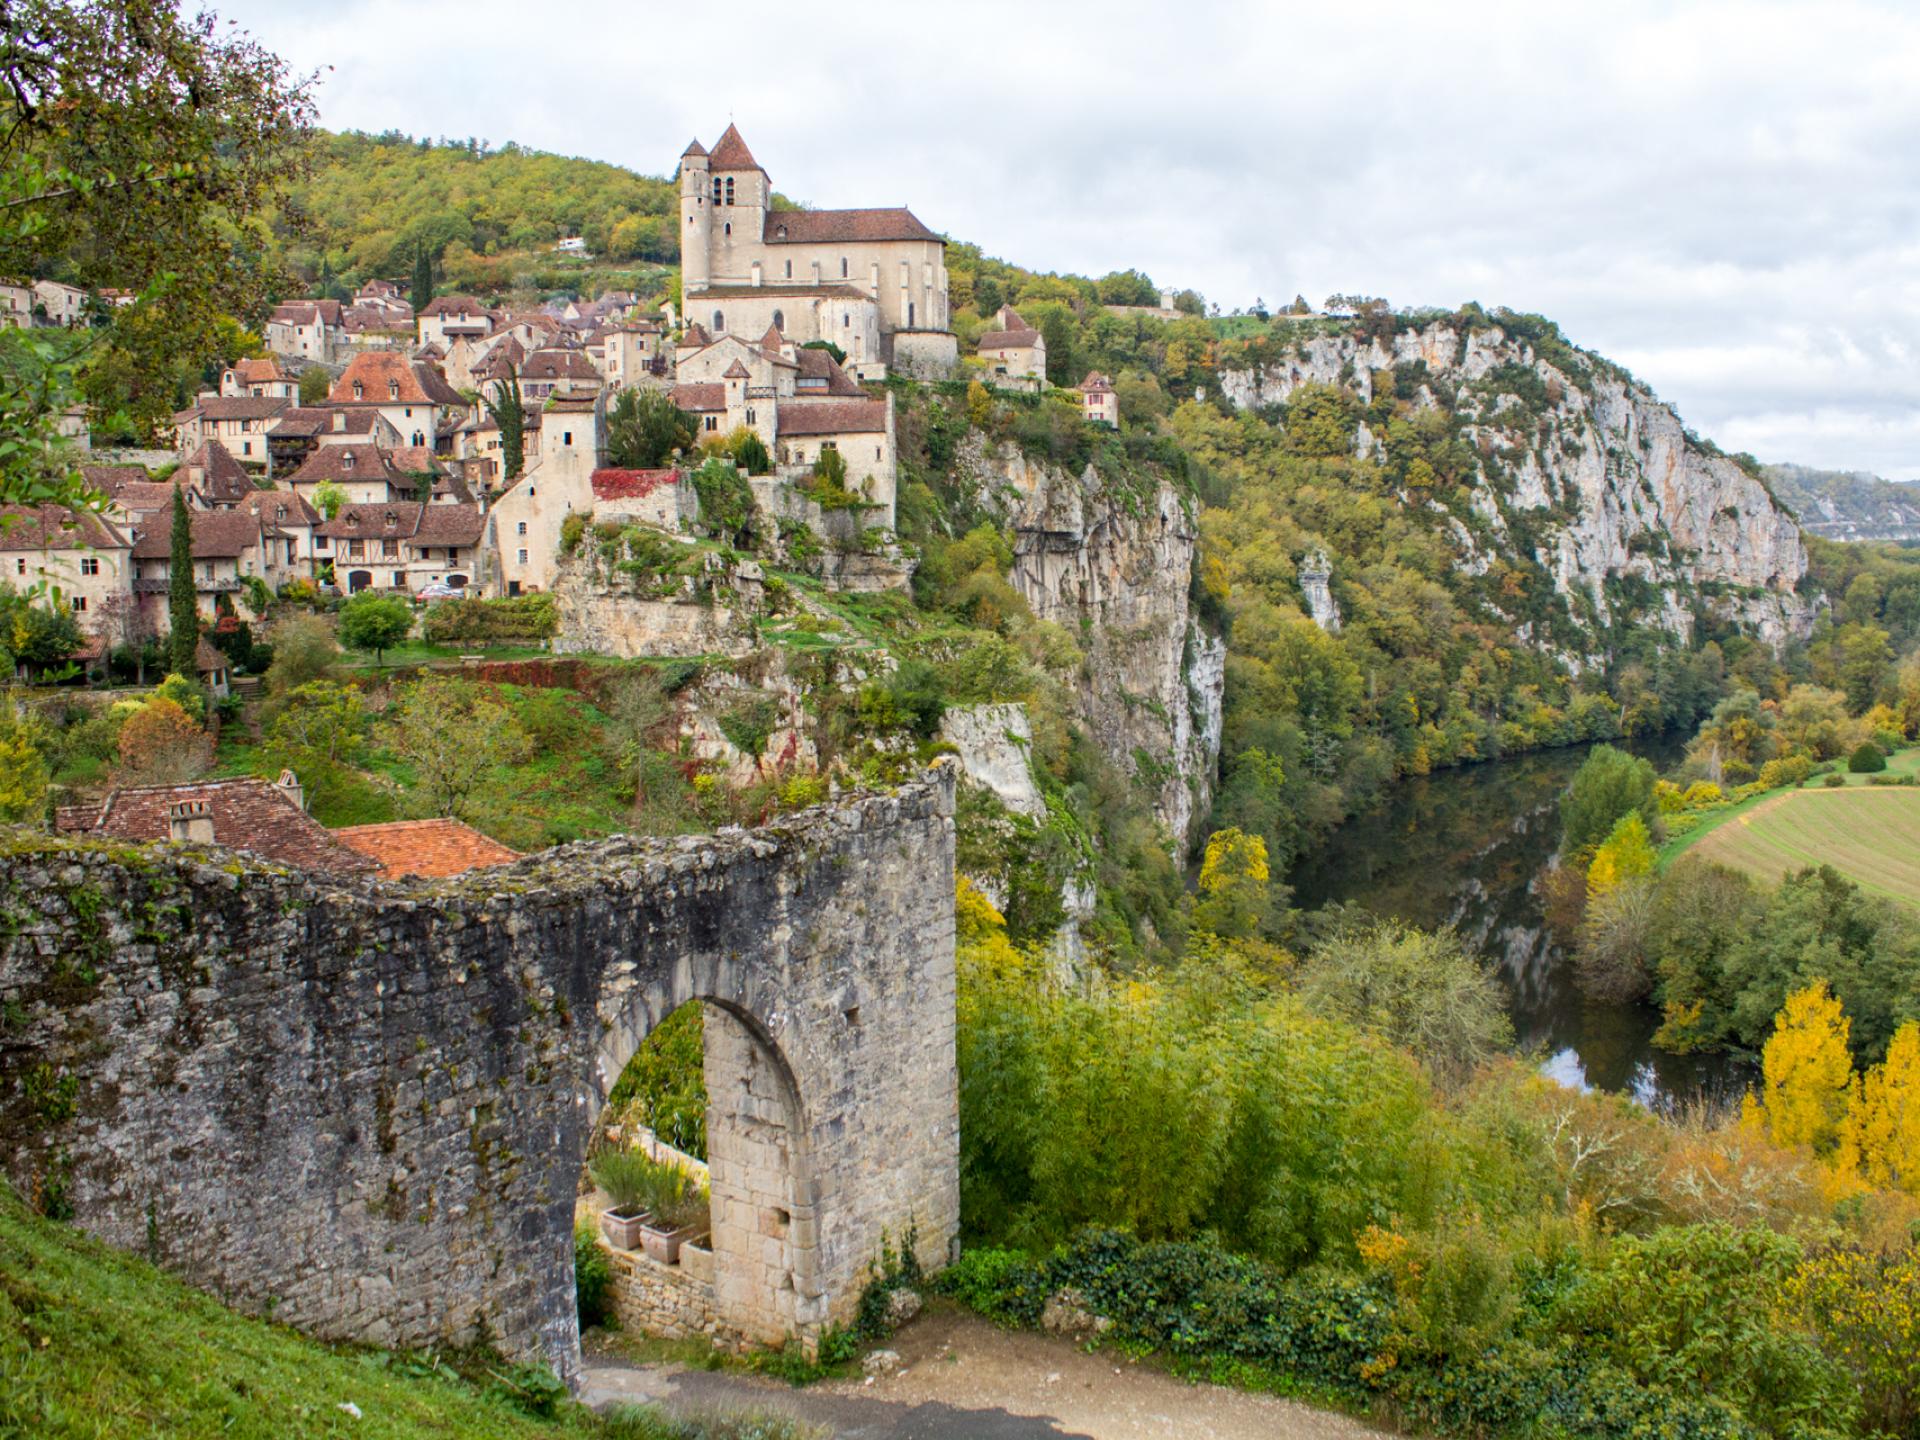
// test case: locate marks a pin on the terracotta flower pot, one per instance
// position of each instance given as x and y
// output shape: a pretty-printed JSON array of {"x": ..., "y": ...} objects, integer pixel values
[
  {"x": 623, "y": 1231},
  {"x": 664, "y": 1245}
]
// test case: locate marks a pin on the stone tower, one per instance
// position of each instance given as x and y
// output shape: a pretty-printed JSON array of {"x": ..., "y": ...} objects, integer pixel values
[
  {"x": 696, "y": 229},
  {"x": 737, "y": 210}
]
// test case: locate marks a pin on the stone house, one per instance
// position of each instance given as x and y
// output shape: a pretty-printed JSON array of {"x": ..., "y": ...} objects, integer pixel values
[
  {"x": 453, "y": 317},
  {"x": 239, "y": 422},
  {"x": 875, "y": 276},
  {"x": 215, "y": 476},
  {"x": 287, "y": 526},
  {"x": 86, "y": 556},
  {"x": 410, "y": 395},
  {"x": 862, "y": 431},
  {"x": 659, "y": 498},
  {"x": 304, "y": 329},
  {"x": 264, "y": 818},
  {"x": 58, "y": 304},
  {"x": 546, "y": 371},
  {"x": 1098, "y": 402},
  {"x": 259, "y": 378},
  {"x": 633, "y": 353},
  {"x": 403, "y": 545},
  {"x": 366, "y": 474},
  {"x": 227, "y": 547},
  {"x": 523, "y": 526},
  {"x": 1014, "y": 353},
  {"x": 16, "y": 305}
]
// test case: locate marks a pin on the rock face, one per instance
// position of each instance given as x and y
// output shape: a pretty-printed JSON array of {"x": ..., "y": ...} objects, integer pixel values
[
  {"x": 995, "y": 742},
  {"x": 367, "y": 1105},
  {"x": 1114, "y": 570},
  {"x": 1581, "y": 469},
  {"x": 1316, "y": 573}
]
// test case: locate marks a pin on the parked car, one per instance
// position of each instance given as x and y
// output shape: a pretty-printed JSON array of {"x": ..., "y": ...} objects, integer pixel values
[{"x": 436, "y": 590}]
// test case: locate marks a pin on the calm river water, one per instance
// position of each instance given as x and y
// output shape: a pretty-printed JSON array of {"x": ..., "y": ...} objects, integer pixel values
[{"x": 1465, "y": 848}]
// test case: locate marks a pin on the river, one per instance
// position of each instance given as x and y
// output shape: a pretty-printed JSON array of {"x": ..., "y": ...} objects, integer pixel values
[{"x": 1465, "y": 848}]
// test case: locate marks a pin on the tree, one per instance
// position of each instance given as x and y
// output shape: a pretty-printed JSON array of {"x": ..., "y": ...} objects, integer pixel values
[
  {"x": 509, "y": 411},
  {"x": 139, "y": 147},
  {"x": 161, "y": 744},
  {"x": 315, "y": 385},
  {"x": 453, "y": 733},
  {"x": 639, "y": 707},
  {"x": 645, "y": 427},
  {"x": 1233, "y": 889},
  {"x": 40, "y": 635},
  {"x": 1608, "y": 784},
  {"x": 375, "y": 622},
  {"x": 329, "y": 498},
  {"x": 303, "y": 650},
  {"x": 422, "y": 280},
  {"x": 1419, "y": 989},
  {"x": 1806, "y": 1069},
  {"x": 1882, "y": 1137},
  {"x": 321, "y": 724},
  {"x": 23, "y": 773},
  {"x": 1867, "y": 759},
  {"x": 749, "y": 452},
  {"x": 183, "y": 599},
  {"x": 1626, "y": 854}
]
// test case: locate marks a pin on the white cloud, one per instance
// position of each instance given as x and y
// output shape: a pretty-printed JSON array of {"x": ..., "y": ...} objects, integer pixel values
[{"x": 1721, "y": 196}]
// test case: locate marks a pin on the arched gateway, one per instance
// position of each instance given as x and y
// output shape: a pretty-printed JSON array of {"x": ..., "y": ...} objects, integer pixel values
[{"x": 365, "y": 1106}]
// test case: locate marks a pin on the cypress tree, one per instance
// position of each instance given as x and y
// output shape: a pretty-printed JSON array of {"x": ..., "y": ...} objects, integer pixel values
[
  {"x": 182, "y": 606},
  {"x": 422, "y": 280},
  {"x": 509, "y": 412}
]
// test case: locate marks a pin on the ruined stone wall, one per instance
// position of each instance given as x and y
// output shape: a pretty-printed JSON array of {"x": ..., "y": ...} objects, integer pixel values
[
  {"x": 672, "y": 1301},
  {"x": 366, "y": 1105}
]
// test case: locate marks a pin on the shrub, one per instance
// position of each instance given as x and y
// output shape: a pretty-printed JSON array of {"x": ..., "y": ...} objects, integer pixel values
[
  {"x": 1834, "y": 782},
  {"x": 1787, "y": 770},
  {"x": 592, "y": 1277},
  {"x": 1867, "y": 759},
  {"x": 512, "y": 617},
  {"x": 625, "y": 1174}
]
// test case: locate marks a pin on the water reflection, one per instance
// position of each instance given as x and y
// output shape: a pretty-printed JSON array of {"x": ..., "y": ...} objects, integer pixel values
[{"x": 1467, "y": 848}]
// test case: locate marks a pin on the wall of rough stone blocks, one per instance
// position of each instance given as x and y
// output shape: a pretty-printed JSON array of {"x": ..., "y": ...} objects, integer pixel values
[
  {"x": 366, "y": 1105},
  {"x": 673, "y": 1301}
]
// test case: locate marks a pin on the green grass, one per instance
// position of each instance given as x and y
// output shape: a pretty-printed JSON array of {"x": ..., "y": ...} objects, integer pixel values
[
  {"x": 94, "y": 1343},
  {"x": 1870, "y": 835},
  {"x": 1901, "y": 762},
  {"x": 419, "y": 652}
]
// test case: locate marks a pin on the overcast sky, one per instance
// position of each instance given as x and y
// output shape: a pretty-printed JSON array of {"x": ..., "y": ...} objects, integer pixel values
[{"x": 1721, "y": 196}]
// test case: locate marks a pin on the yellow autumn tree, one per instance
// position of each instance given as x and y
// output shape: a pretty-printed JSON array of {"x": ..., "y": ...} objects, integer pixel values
[
  {"x": 1233, "y": 893},
  {"x": 1882, "y": 1135},
  {"x": 1625, "y": 853},
  {"x": 1806, "y": 1071}
]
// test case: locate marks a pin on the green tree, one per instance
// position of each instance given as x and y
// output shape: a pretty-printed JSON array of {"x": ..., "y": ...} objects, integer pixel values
[
  {"x": 375, "y": 622},
  {"x": 23, "y": 772},
  {"x": 329, "y": 499},
  {"x": 422, "y": 280},
  {"x": 454, "y": 734},
  {"x": 645, "y": 428},
  {"x": 509, "y": 411},
  {"x": 1608, "y": 785},
  {"x": 315, "y": 383},
  {"x": 183, "y": 599}
]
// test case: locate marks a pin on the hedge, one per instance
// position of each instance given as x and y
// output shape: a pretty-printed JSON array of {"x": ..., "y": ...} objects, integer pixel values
[{"x": 513, "y": 617}]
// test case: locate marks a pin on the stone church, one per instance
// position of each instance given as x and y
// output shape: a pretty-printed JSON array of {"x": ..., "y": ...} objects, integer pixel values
[{"x": 872, "y": 282}]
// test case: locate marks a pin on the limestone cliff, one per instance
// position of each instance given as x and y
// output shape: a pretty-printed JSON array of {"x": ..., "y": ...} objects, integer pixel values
[
  {"x": 1113, "y": 568},
  {"x": 1576, "y": 467}
]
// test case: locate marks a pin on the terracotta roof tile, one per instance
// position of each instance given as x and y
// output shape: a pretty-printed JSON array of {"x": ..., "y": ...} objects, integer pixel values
[
  {"x": 248, "y": 814},
  {"x": 387, "y": 378},
  {"x": 832, "y": 417},
  {"x": 237, "y": 407},
  {"x": 54, "y": 527},
  {"x": 429, "y": 848},
  {"x": 343, "y": 463},
  {"x": 801, "y": 227},
  {"x": 706, "y": 395},
  {"x": 217, "y": 535},
  {"x": 731, "y": 153},
  {"x": 221, "y": 478},
  {"x": 450, "y": 525}
]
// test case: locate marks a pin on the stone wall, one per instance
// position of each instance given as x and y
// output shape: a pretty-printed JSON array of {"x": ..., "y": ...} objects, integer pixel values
[
  {"x": 366, "y": 1106},
  {"x": 673, "y": 1301}
]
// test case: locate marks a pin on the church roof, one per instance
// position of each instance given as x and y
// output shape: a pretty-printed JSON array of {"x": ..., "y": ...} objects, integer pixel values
[
  {"x": 801, "y": 227},
  {"x": 732, "y": 153},
  {"x": 694, "y": 147}
]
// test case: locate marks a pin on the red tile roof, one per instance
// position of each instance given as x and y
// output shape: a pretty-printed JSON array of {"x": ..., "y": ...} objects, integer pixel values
[
  {"x": 259, "y": 371},
  {"x": 248, "y": 814},
  {"x": 801, "y": 227},
  {"x": 54, "y": 527},
  {"x": 217, "y": 535},
  {"x": 237, "y": 407},
  {"x": 818, "y": 367},
  {"x": 455, "y": 305},
  {"x": 343, "y": 463},
  {"x": 281, "y": 508},
  {"x": 451, "y": 524},
  {"x": 832, "y": 417},
  {"x": 1096, "y": 384},
  {"x": 142, "y": 499},
  {"x": 304, "y": 312},
  {"x": 731, "y": 153},
  {"x": 386, "y": 378},
  {"x": 558, "y": 365},
  {"x": 707, "y": 395},
  {"x": 109, "y": 478},
  {"x": 220, "y": 477},
  {"x": 429, "y": 848}
]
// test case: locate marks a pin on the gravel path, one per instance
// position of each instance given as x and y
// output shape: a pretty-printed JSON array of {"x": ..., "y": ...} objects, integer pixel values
[{"x": 963, "y": 1379}]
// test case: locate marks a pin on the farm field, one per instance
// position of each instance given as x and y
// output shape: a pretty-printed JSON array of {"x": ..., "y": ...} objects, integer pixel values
[{"x": 1870, "y": 835}]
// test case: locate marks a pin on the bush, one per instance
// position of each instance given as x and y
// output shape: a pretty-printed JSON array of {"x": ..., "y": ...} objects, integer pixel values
[
  {"x": 513, "y": 617},
  {"x": 1834, "y": 782},
  {"x": 1867, "y": 760},
  {"x": 1787, "y": 770},
  {"x": 592, "y": 1277}
]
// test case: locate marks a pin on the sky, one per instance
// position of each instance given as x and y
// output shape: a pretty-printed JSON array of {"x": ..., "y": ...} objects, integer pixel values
[{"x": 1723, "y": 197}]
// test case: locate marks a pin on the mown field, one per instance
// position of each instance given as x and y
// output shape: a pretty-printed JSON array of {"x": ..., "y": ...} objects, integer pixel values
[{"x": 1870, "y": 835}]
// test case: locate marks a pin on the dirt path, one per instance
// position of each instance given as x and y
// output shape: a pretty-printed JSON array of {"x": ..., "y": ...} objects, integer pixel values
[{"x": 963, "y": 1379}]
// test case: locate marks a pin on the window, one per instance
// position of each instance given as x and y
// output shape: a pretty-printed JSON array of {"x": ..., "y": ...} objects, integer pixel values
[
  {"x": 209, "y": 569},
  {"x": 846, "y": 320},
  {"x": 779, "y": 322},
  {"x": 566, "y": 437},
  {"x": 522, "y": 528},
  {"x": 728, "y": 227},
  {"x": 399, "y": 580},
  {"x": 713, "y": 422},
  {"x": 716, "y": 189},
  {"x": 789, "y": 269},
  {"x": 358, "y": 390},
  {"x": 523, "y": 557},
  {"x": 246, "y": 447},
  {"x": 79, "y": 602},
  {"x": 729, "y": 192},
  {"x": 749, "y": 417},
  {"x": 843, "y": 267},
  {"x": 910, "y": 315},
  {"x": 89, "y": 565},
  {"x": 719, "y": 322},
  {"x": 393, "y": 391}
]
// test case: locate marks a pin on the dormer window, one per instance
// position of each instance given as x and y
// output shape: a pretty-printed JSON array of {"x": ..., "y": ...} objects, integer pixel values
[
  {"x": 359, "y": 391},
  {"x": 393, "y": 389},
  {"x": 346, "y": 461},
  {"x": 780, "y": 233},
  {"x": 392, "y": 519}
]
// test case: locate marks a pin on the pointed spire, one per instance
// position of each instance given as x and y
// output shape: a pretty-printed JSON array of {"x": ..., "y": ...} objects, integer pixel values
[
  {"x": 773, "y": 339},
  {"x": 693, "y": 148},
  {"x": 732, "y": 153}
]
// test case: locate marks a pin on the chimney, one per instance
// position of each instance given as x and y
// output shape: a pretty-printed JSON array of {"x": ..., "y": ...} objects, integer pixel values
[
  {"x": 190, "y": 822},
  {"x": 289, "y": 786}
]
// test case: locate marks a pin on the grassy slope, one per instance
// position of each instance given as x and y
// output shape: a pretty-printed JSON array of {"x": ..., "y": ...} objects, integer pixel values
[
  {"x": 96, "y": 1343},
  {"x": 1870, "y": 836},
  {"x": 1903, "y": 762}
]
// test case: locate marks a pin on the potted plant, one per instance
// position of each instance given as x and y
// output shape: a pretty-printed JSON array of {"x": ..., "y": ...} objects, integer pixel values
[
  {"x": 627, "y": 1177},
  {"x": 678, "y": 1206}
]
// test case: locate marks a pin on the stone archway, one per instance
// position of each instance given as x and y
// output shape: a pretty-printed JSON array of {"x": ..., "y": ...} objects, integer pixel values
[{"x": 365, "y": 1106}]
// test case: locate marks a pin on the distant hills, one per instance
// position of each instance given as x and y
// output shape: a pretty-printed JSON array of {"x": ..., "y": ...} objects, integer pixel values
[{"x": 1848, "y": 505}]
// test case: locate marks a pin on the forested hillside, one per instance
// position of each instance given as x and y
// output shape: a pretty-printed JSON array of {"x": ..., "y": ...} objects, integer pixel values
[{"x": 1848, "y": 505}]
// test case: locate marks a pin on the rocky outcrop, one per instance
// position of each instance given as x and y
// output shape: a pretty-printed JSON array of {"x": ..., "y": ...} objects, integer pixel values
[
  {"x": 1581, "y": 469},
  {"x": 993, "y": 744},
  {"x": 1315, "y": 575},
  {"x": 1113, "y": 567}
]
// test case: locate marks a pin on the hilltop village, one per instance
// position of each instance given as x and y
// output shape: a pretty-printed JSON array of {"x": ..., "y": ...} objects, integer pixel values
[{"x": 439, "y": 454}]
